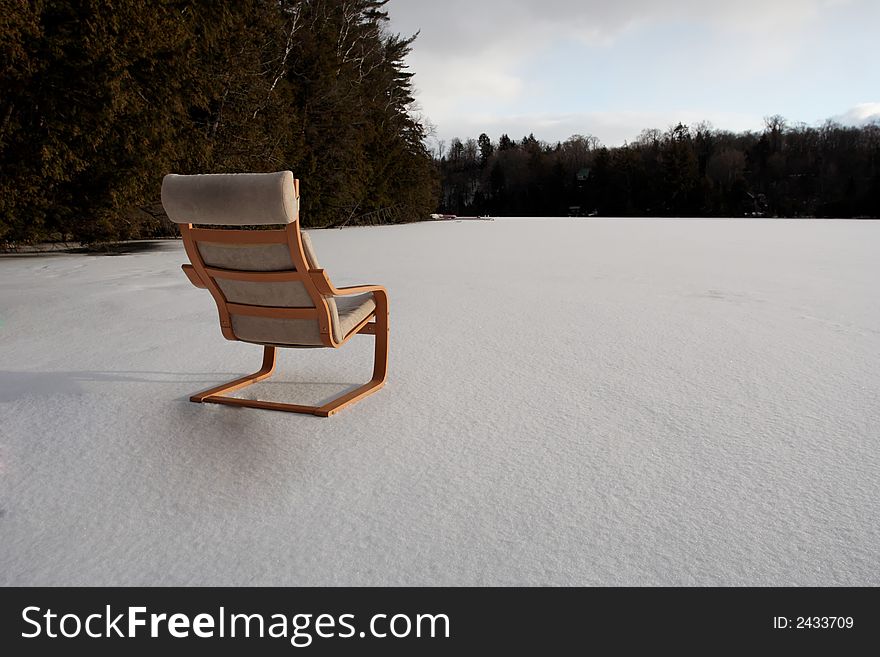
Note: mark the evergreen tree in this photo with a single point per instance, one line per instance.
(831, 171)
(100, 99)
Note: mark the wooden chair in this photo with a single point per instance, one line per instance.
(268, 285)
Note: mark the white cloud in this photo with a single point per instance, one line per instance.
(611, 128)
(449, 82)
(861, 114)
(453, 25)
(472, 57)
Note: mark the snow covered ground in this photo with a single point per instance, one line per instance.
(570, 401)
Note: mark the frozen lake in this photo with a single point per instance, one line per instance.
(570, 402)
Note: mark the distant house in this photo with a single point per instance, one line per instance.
(583, 174)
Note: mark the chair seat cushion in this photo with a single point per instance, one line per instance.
(352, 311)
(345, 315)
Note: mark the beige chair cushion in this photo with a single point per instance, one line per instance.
(309, 250)
(230, 199)
(312, 260)
(352, 310)
(256, 257)
(247, 257)
(286, 294)
(279, 332)
(345, 312)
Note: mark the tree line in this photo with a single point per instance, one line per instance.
(101, 98)
(791, 171)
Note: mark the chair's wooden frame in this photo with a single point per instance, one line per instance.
(318, 286)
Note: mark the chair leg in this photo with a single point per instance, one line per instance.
(380, 371)
(380, 365)
(263, 373)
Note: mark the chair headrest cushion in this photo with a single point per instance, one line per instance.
(230, 199)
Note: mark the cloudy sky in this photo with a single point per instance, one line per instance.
(613, 67)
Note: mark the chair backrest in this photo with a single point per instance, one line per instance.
(260, 279)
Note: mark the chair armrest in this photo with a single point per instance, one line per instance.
(193, 276)
(320, 279)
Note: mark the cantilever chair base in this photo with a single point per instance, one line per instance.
(215, 396)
